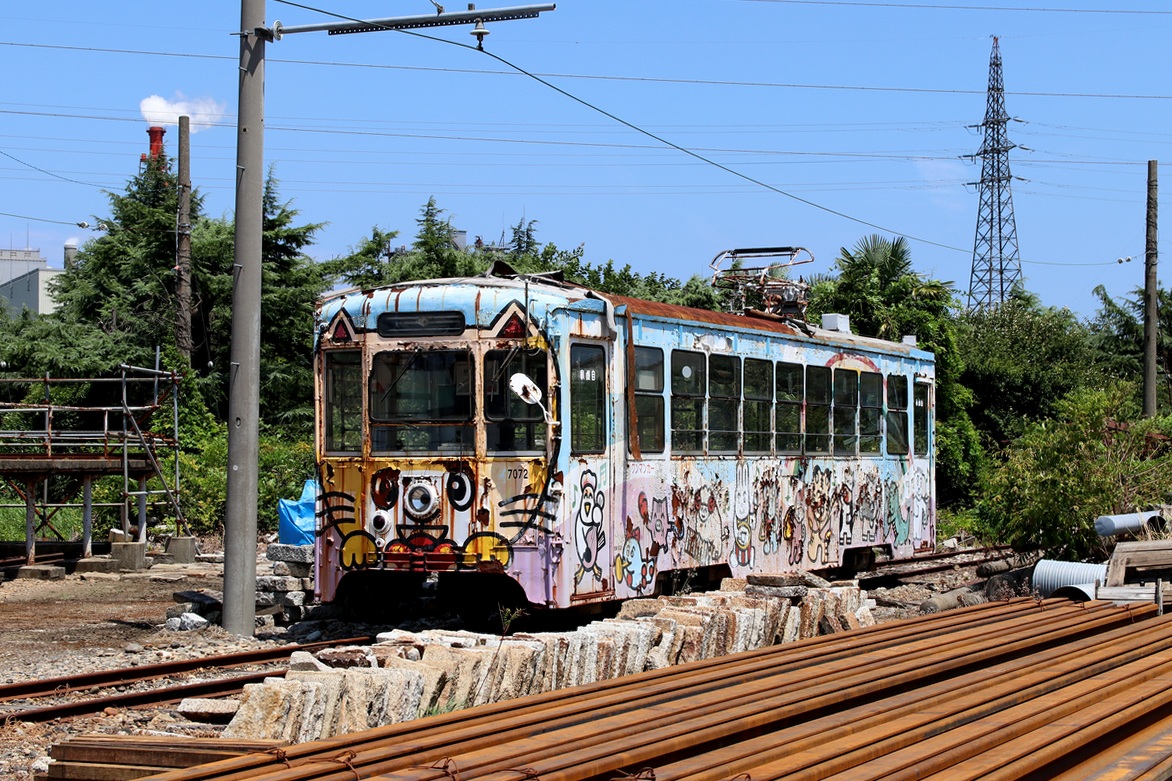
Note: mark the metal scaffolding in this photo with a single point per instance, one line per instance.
(44, 435)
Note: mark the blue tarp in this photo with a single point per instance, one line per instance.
(295, 516)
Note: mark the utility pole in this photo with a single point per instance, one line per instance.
(244, 371)
(244, 366)
(183, 246)
(1151, 306)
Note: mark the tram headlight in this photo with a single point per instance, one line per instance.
(420, 501)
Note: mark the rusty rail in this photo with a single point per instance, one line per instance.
(107, 679)
(985, 690)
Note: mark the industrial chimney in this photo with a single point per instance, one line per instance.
(156, 135)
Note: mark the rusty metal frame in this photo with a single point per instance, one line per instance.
(122, 445)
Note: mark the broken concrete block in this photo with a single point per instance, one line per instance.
(302, 554)
(211, 710)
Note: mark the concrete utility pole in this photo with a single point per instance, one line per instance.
(183, 245)
(244, 371)
(1151, 307)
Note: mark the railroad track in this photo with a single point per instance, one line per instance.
(86, 693)
(1025, 689)
(887, 573)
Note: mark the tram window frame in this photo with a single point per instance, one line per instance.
(342, 392)
(511, 425)
(649, 405)
(922, 399)
(845, 412)
(413, 420)
(897, 415)
(818, 409)
(870, 413)
(757, 414)
(588, 399)
(791, 394)
(724, 403)
(689, 387)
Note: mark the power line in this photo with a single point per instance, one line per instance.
(647, 133)
(48, 173)
(938, 7)
(41, 219)
(537, 74)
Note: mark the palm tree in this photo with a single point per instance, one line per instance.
(877, 287)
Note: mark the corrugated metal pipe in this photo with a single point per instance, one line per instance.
(1112, 525)
(1050, 575)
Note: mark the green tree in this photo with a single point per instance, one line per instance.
(369, 263)
(1095, 457)
(1020, 360)
(123, 283)
(1117, 338)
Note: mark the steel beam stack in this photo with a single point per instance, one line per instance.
(1023, 689)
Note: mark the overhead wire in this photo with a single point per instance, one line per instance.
(938, 7)
(591, 77)
(643, 131)
(541, 78)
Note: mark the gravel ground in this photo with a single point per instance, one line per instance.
(91, 622)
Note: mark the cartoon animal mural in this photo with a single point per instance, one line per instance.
(869, 505)
(742, 516)
(920, 514)
(589, 532)
(653, 511)
(820, 497)
(842, 508)
(699, 521)
(634, 564)
(337, 514)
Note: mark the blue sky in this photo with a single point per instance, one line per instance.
(857, 115)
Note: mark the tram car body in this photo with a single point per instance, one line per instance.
(528, 440)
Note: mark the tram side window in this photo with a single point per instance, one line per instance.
(588, 398)
(921, 419)
(790, 392)
(846, 411)
(818, 409)
(649, 399)
(512, 425)
(421, 401)
(688, 386)
(897, 415)
(870, 411)
(758, 405)
(342, 382)
(724, 397)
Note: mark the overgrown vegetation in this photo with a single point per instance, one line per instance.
(1038, 423)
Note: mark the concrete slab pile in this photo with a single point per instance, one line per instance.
(444, 670)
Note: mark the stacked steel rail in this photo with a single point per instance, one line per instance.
(1027, 688)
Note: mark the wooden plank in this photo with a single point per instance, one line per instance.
(125, 757)
(1145, 555)
(95, 771)
(1132, 593)
(181, 749)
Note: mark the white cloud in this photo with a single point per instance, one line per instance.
(203, 112)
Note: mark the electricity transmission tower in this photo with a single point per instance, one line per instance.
(996, 262)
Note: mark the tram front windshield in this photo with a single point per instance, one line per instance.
(422, 401)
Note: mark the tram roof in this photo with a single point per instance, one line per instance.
(554, 293)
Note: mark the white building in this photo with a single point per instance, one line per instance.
(24, 280)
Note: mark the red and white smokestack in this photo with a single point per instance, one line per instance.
(156, 135)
